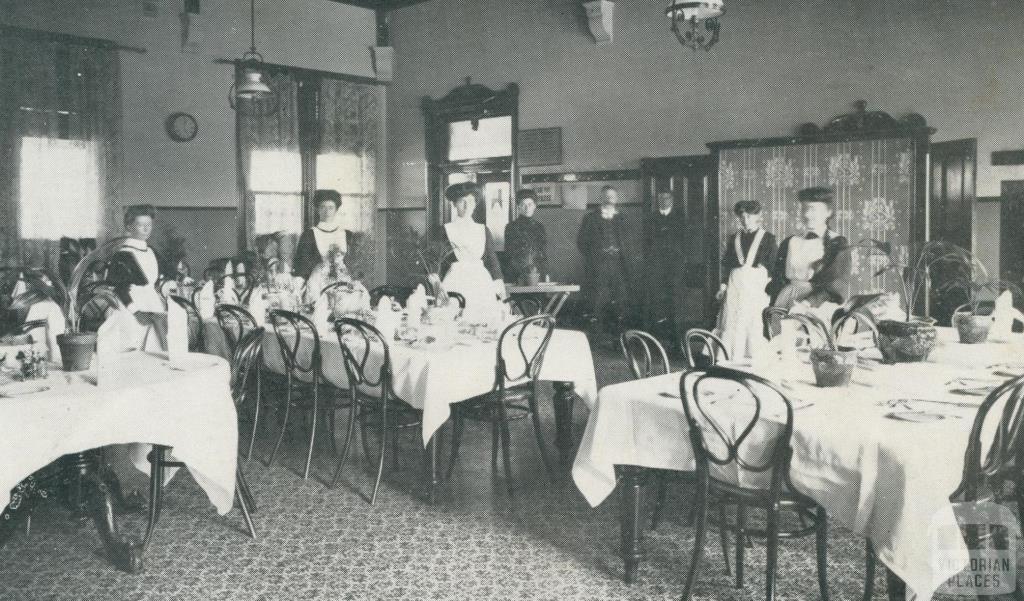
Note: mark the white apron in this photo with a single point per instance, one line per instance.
(739, 323)
(467, 275)
(145, 297)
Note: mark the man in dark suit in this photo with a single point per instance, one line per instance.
(812, 267)
(664, 258)
(600, 242)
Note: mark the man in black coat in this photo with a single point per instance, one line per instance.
(664, 260)
(604, 260)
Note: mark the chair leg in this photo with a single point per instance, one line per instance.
(741, 525)
(869, 570)
(255, 413)
(241, 489)
(458, 424)
(698, 540)
(506, 447)
(353, 410)
(284, 422)
(535, 415)
(772, 554)
(156, 487)
(312, 427)
(659, 500)
(723, 533)
(495, 435)
(821, 543)
(383, 448)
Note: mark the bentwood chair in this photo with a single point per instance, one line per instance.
(710, 347)
(514, 394)
(396, 292)
(746, 442)
(305, 387)
(458, 298)
(367, 357)
(235, 322)
(998, 477)
(244, 362)
(196, 330)
(644, 354)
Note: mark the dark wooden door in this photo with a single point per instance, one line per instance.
(1011, 242)
(692, 180)
(951, 210)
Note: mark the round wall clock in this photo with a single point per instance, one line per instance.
(181, 127)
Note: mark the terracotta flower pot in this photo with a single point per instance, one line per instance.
(76, 350)
(973, 329)
(833, 368)
(906, 341)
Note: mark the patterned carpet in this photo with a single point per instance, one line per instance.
(476, 543)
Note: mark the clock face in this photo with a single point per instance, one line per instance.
(181, 127)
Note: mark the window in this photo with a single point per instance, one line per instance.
(344, 172)
(276, 180)
(59, 189)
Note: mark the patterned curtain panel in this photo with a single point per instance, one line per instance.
(874, 183)
(60, 112)
(270, 165)
(351, 126)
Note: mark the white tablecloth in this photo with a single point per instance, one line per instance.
(886, 479)
(430, 378)
(189, 409)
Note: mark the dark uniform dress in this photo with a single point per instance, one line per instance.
(525, 238)
(604, 260)
(664, 251)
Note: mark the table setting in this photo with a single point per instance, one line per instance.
(867, 451)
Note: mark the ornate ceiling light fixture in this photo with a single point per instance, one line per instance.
(687, 17)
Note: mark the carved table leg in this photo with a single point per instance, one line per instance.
(432, 467)
(633, 480)
(564, 398)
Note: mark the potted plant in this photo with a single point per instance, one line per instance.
(971, 279)
(832, 364)
(76, 346)
(912, 338)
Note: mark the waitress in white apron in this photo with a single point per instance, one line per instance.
(745, 266)
(134, 269)
(475, 274)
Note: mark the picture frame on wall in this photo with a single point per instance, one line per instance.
(548, 194)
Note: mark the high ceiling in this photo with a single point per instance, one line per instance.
(386, 5)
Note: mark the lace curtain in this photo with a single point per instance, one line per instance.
(60, 111)
(270, 165)
(874, 183)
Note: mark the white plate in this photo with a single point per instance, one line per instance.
(16, 389)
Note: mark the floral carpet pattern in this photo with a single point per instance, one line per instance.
(476, 543)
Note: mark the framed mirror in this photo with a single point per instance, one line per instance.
(471, 135)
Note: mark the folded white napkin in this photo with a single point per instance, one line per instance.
(55, 325)
(258, 305)
(207, 301)
(1003, 317)
(416, 304)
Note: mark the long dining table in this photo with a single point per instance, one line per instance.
(432, 377)
(882, 456)
(69, 416)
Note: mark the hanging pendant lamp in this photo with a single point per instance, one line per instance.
(249, 86)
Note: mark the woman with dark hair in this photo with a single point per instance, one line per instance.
(135, 269)
(745, 264)
(475, 273)
(318, 242)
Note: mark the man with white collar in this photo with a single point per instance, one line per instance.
(812, 267)
(600, 242)
(664, 258)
